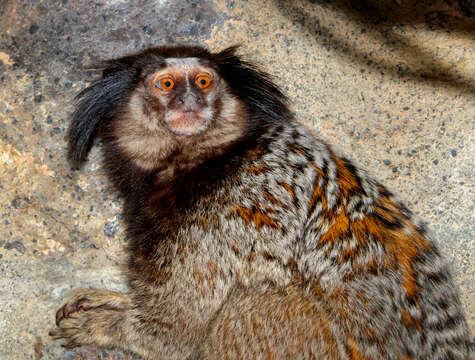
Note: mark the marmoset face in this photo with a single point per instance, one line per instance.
(186, 93)
(180, 106)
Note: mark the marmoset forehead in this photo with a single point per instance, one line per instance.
(185, 63)
(188, 66)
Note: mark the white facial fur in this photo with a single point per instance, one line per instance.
(148, 142)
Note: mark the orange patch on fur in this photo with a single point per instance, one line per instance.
(208, 222)
(346, 179)
(409, 321)
(338, 229)
(318, 170)
(257, 152)
(353, 350)
(347, 254)
(387, 225)
(289, 188)
(317, 290)
(272, 199)
(204, 222)
(297, 148)
(258, 169)
(403, 247)
(212, 267)
(293, 265)
(386, 214)
(256, 216)
(318, 195)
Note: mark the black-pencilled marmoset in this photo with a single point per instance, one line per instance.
(249, 237)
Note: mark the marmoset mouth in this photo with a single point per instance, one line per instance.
(187, 122)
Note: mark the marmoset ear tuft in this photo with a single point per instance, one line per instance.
(252, 85)
(100, 100)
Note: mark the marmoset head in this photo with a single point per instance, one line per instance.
(181, 102)
(183, 94)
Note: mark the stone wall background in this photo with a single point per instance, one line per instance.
(389, 83)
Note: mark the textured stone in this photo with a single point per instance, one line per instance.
(391, 86)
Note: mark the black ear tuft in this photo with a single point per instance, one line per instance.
(252, 85)
(100, 100)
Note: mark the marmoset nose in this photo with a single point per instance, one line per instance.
(190, 101)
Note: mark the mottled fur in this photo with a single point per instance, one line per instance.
(252, 239)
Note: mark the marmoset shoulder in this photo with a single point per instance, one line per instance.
(249, 237)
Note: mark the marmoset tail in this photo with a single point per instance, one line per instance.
(249, 238)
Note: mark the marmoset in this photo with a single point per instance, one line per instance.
(249, 237)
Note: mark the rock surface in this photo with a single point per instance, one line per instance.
(389, 83)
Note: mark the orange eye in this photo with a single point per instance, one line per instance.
(165, 84)
(203, 81)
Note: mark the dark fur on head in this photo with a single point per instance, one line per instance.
(106, 97)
